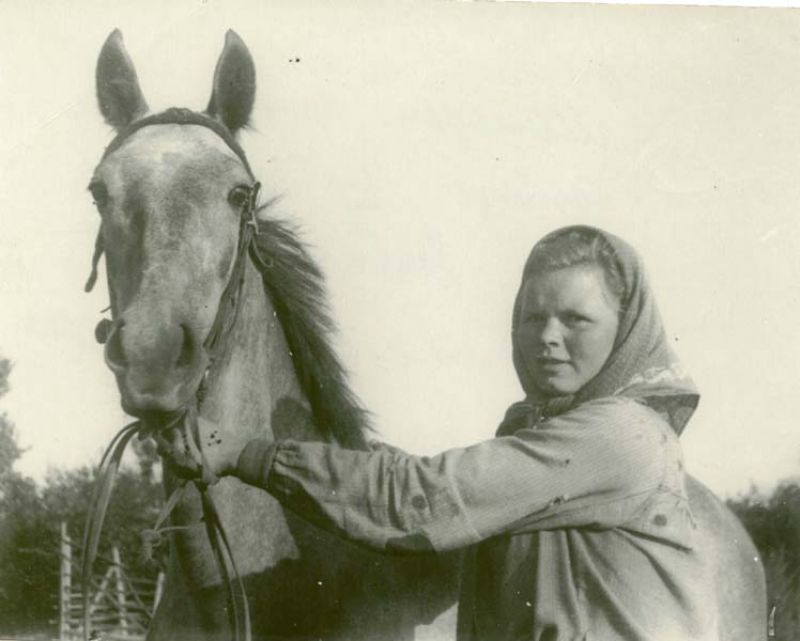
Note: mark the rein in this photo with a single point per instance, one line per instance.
(186, 420)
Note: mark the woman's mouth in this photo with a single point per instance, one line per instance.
(550, 362)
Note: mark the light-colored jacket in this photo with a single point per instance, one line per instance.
(578, 527)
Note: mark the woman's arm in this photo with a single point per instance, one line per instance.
(572, 470)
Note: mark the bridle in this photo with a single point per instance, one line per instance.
(190, 472)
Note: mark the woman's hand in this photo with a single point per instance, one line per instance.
(220, 449)
(219, 455)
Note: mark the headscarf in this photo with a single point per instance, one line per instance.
(641, 365)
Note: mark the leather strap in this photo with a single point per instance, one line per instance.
(181, 116)
(109, 465)
(228, 308)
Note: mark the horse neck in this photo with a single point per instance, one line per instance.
(253, 390)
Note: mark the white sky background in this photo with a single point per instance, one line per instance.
(423, 149)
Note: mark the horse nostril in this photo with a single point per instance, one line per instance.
(186, 355)
(115, 354)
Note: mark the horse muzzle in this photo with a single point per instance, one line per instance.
(158, 367)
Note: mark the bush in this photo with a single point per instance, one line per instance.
(30, 520)
(774, 524)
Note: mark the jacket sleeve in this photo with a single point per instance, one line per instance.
(592, 466)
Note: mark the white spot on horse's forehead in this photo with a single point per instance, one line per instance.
(162, 145)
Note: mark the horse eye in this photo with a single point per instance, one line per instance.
(239, 195)
(99, 194)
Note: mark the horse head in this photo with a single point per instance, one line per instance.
(170, 199)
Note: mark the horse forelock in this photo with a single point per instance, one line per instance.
(295, 285)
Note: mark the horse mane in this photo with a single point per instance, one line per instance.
(295, 285)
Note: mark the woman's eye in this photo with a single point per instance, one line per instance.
(575, 319)
(99, 194)
(239, 196)
(534, 319)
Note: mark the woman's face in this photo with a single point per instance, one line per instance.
(568, 325)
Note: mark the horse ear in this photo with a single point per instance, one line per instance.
(118, 93)
(234, 87)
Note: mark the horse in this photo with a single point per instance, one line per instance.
(197, 323)
(169, 194)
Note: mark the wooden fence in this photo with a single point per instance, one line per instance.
(121, 605)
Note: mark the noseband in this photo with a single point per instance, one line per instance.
(186, 419)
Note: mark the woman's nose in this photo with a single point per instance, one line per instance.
(551, 333)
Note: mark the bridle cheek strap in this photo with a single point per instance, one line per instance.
(228, 308)
(98, 252)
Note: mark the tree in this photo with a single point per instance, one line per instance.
(20, 514)
(30, 518)
(9, 449)
(134, 506)
(774, 524)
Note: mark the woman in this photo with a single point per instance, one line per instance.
(576, 512)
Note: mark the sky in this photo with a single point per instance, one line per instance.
(422, 149)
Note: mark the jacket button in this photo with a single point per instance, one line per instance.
(419, 502)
